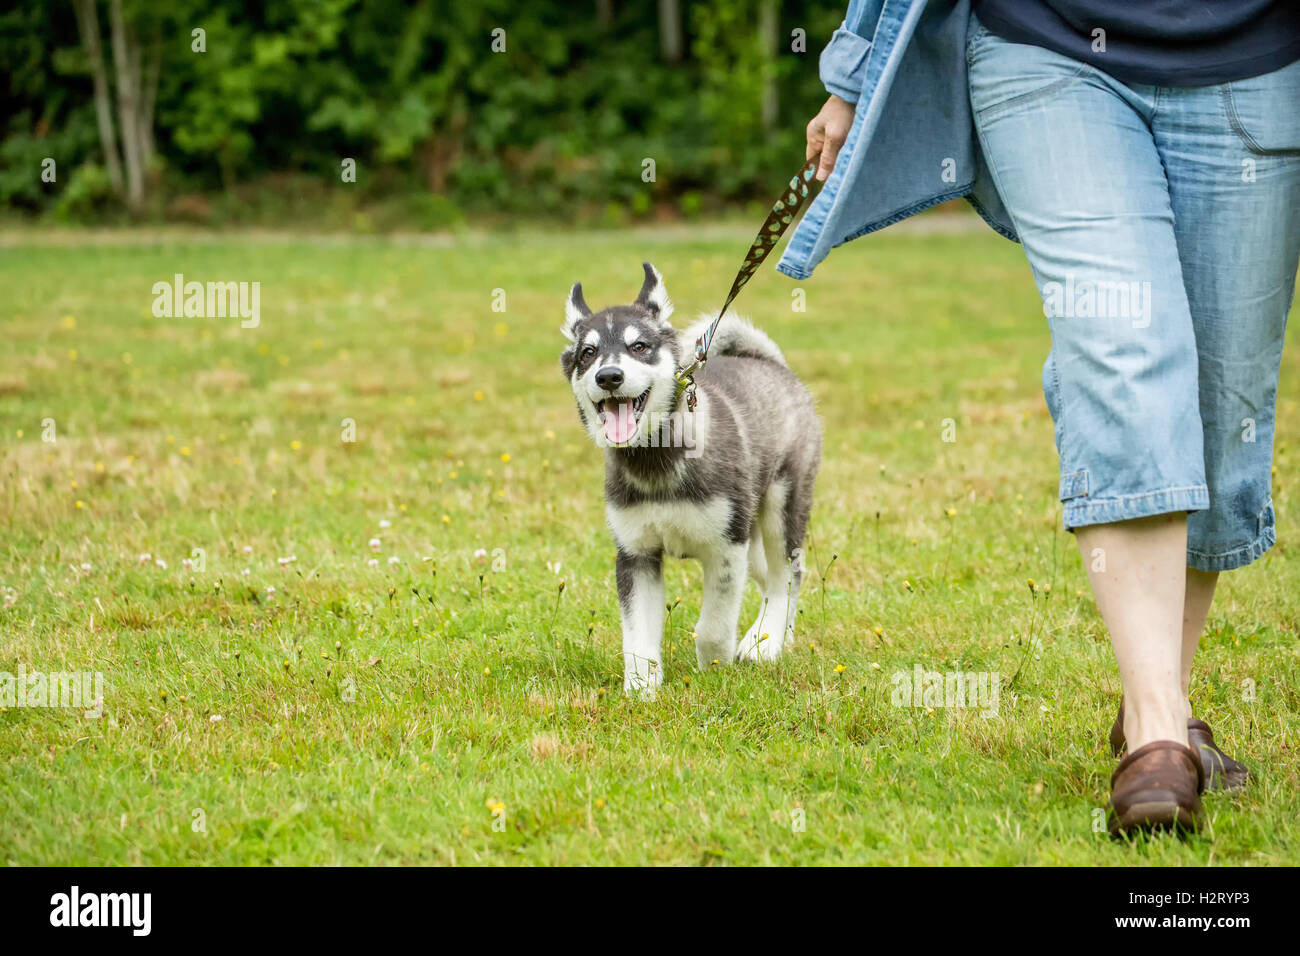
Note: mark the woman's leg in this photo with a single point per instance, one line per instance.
(1232, 159)
(1072, 153)
(1140, 594)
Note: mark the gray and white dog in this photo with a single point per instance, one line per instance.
(729, 483)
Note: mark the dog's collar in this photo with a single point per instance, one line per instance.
(774, 227)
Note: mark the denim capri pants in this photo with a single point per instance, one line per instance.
(1163, 229)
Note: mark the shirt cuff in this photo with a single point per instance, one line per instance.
(843, 62)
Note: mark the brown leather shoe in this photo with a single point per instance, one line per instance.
(1221, 771)
(1156, 787)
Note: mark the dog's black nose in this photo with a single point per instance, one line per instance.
(609, 378)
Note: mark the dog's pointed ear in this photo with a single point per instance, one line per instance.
(574, 310)
(654, 296)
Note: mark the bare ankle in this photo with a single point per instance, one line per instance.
(1155, 718)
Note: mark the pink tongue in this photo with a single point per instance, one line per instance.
(620, 424)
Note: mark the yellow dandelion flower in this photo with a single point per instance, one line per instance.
(185, 450)
(72, 355)
(840, 668)
(505, 457)
(478, 396)
(80, 505)
(69, 322)
(446, 519)
(295, 444)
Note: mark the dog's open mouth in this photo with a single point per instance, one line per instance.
(621, 415)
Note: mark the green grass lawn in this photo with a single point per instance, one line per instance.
(480, 645)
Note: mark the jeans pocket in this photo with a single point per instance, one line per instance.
(1265, 111)
(1003, 74)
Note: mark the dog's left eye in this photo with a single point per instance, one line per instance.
(588, 352)
(639, 346)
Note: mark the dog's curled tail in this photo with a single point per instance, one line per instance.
(735, 336)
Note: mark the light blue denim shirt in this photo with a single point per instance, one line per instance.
(912, 144)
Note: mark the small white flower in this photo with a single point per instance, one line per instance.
(375, 545)
(248, 549)
(187, 564)
(245, 572)
(270, 591)
(146, 558)
(216, 718)
(161, 563)
(287, 561)
(385, 523)
(85, 566)
(480, 554)
(373, 562)
(394, 560)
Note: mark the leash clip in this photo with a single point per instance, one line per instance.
(686, 383)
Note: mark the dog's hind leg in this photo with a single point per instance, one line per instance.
(641, 600)
(724, 586)
(774, 626)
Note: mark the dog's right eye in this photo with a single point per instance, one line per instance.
(588, 351)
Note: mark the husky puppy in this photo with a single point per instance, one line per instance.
(729, 483)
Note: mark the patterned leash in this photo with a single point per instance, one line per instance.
(774, 227)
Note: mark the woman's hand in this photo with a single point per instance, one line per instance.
(826, 133)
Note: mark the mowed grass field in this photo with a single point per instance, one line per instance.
(453, 694)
